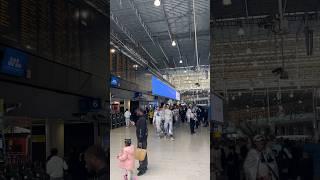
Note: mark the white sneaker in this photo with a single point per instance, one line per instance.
(172, 139)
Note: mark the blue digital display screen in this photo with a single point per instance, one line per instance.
(14, 62)
(115, 81)
(159, 88)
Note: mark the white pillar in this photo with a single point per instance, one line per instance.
(55, 136)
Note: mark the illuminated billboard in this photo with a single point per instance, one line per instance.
(160, 88)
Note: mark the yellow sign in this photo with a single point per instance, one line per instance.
(38, 138)
(1, 105)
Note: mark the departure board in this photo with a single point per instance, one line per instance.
(44, 29)
(60, 31)
(29, 24)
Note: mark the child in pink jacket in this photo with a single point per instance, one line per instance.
(127, 159)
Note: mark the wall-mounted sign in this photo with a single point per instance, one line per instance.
(160, 88)
(115, 81)
(90, 104)
(13, 62)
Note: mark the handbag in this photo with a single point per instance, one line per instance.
(140, 154)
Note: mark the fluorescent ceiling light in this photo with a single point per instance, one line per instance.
(226, 2)
(174, 43)
(157, 3)
(240, 31)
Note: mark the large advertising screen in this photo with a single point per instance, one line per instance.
(160, 88)
(216, 108)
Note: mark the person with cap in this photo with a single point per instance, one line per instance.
(142, 136)
(127, 159)
(168, 122)
(260, 163)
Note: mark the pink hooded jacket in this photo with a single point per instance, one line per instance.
(126, 158)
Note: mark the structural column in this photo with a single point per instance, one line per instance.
(55, 136)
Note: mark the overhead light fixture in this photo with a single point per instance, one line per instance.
(157, 3)
(173, 43)
(241, 31)
(291, 95)
(135, 66)
(112, 50)
(226, 2)
(180, 61)
(185, 71)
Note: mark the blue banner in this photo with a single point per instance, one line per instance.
(14, 62)
(159, 88)
(115, 82)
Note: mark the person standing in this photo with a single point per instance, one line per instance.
(168, 122)
(192, 121)
(126, 158)
(56, 166)
(142, 137)
(96, 162)
(127, 115)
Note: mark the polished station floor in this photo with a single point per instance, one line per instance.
(185, 158)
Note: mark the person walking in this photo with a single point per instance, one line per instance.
(142, 137)
(192, 121)
(157, 121)
(56, 166)
(260, 162)
(150, 115)
(168, 122)
(127, 115)
(96, 162)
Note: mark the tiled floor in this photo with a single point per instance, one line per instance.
(186, 158)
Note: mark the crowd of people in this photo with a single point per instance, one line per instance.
(262, 158)
(164, 119)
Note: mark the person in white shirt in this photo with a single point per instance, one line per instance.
(191, 118)
(56, 165)
(168, 122)
(157, 118)
(260, 162)
(127, 116)
(188, 114)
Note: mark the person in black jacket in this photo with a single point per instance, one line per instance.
(142, 136)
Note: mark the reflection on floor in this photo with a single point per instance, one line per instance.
(186, 158)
